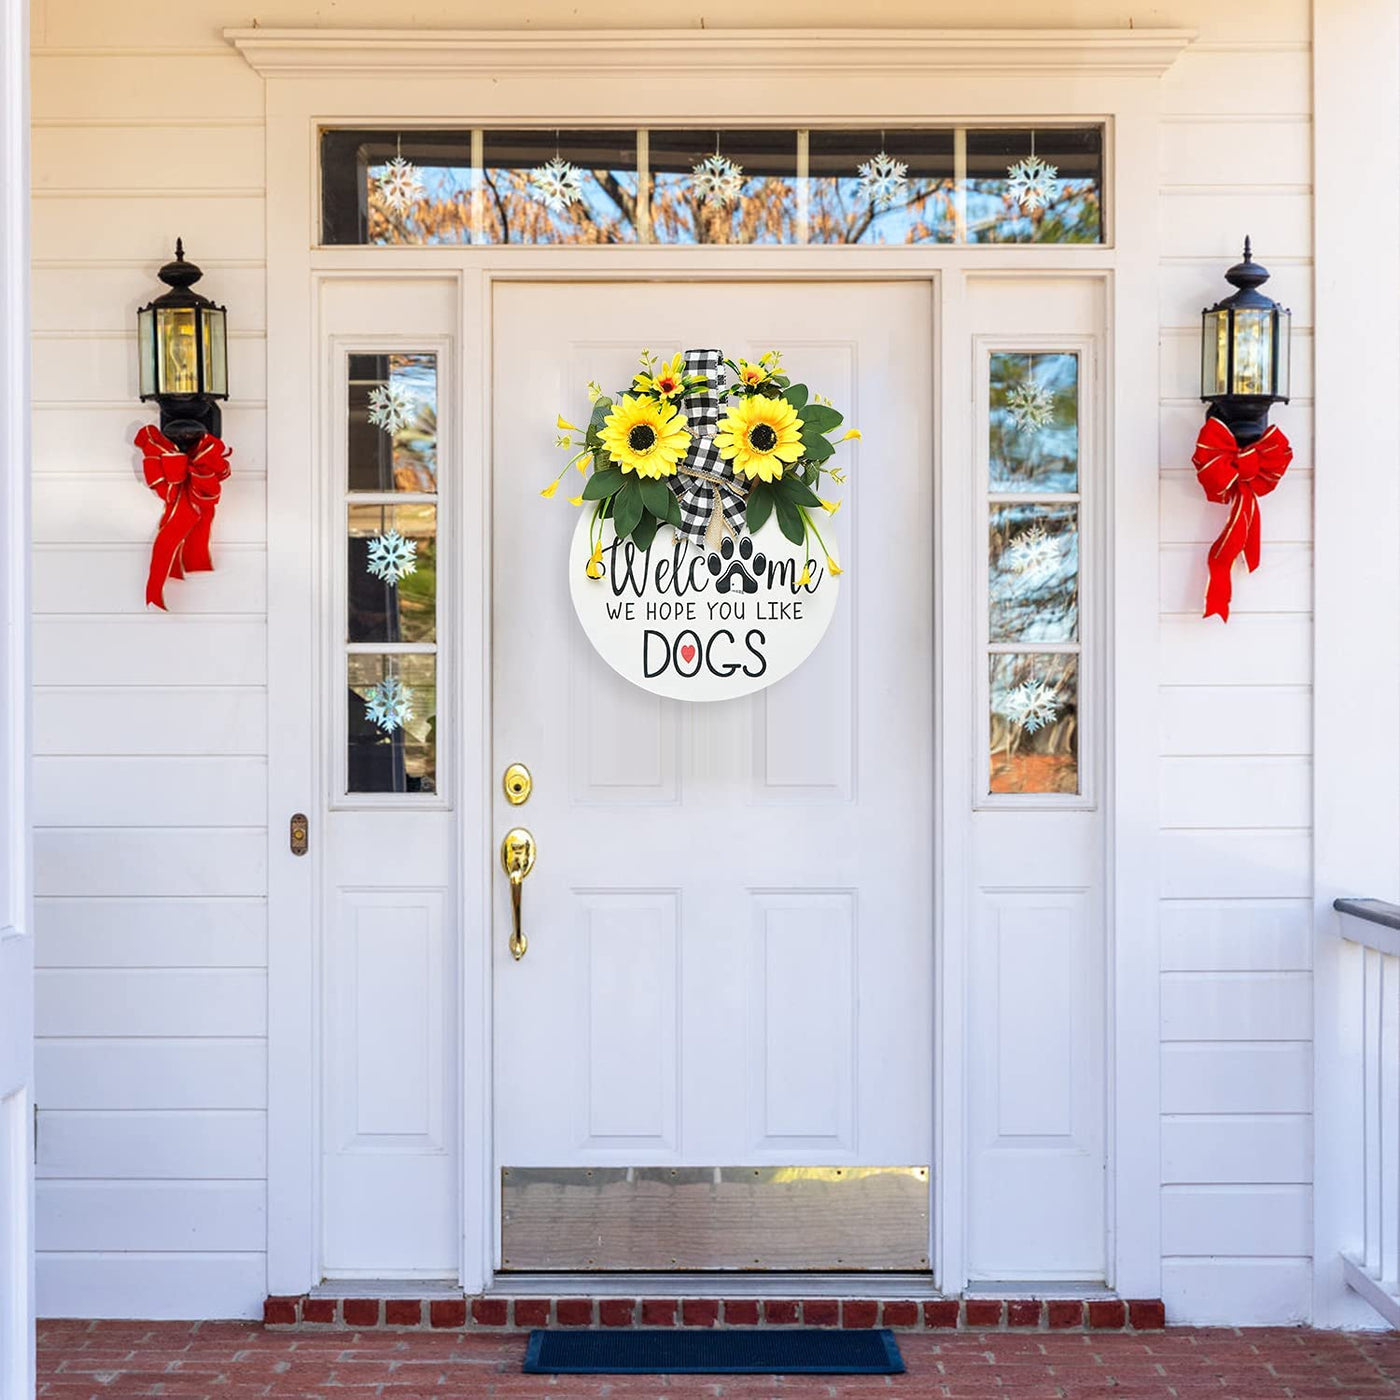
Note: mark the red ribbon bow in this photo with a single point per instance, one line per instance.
(189, 484)
(1236, 477)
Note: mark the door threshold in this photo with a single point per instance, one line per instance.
(714, 1285)
(386, 1288)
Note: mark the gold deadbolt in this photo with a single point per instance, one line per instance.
(518, 784)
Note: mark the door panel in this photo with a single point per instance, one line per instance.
(730, 916)
(386, 837)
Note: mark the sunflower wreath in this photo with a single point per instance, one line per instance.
(708, 446)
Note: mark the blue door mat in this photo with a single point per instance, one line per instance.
(670, 1351)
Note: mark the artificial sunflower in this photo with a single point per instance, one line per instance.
(665, 381)
(645, 436)
(760, 436)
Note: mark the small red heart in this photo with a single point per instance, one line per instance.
(687, 654)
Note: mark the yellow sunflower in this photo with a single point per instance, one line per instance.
(666, 381)
(761, 436)
(645, 436)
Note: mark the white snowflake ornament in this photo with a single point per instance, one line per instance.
(1033, 183)
(400, 184)
(1032, 705)
(391, 407)
(1034, 555)
(389, 704)
(391, 557)
(1031, 406)
(882, 179)
(718, 180)
(556, 184)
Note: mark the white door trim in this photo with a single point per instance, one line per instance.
(17, 1303)
(319, 79)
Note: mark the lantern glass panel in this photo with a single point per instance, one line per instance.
(1215, 353)
(1285, 333)
(146, 351)
(177, 363)
(215, 351)
(1254, 352)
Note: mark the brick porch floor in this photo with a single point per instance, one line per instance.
(242, 1360)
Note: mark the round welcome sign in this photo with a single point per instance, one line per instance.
(698, 569)
(697, 623)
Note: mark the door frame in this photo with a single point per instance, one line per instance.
(401, 78)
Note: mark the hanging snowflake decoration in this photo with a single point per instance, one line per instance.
(1034, 555)
(1032, 705)
(556, 184)
(882, 179)
(389, 704)
(718, 180)
(391, 557)
(1033, 183)
(400, 184)
(391, 407)
(1031, 406)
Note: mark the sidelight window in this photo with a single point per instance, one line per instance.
(1033, 621)
(390, 559)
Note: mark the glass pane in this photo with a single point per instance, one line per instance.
(215, 351)
(1044, 186)
(1035, 724)
(577, 187)
(1033, 573)
(1254, 352)
(746, 191)
(392, 723)
(1215, 351)
(856, 197)
(146, 350)
(392, 583)
(178, 361)
(393, 423)
(1034, 422)
(367, 196)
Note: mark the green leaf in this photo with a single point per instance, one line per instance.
(816, 448)
(654, 496)
(644, 532)
(627, 509)
(796, 491)
(790, 520)
(673, 509)
(797, 395)
(818, 418)
(760, 506)
(603, 484)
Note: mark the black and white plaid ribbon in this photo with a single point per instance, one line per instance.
(704, 481)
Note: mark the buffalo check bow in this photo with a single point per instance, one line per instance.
(704, 482)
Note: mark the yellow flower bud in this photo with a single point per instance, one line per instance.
(806, 576)
(594, 567)
(830, 507)
(832, 566)
(550, 489)
(854, 433)
(562, 422)
(575, 500)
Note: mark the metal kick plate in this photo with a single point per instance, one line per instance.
(647, 1219)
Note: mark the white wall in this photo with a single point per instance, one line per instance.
(150, 730)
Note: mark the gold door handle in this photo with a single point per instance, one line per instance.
(517, 860)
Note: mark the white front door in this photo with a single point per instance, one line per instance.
(730, 916)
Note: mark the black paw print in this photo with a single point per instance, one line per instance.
(725, 578)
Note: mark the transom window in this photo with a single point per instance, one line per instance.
(896, 187)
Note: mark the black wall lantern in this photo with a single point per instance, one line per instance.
(1244, 353)
(183, 351)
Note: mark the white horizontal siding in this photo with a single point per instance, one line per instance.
(1242, 1148)
(151, 1285)
(167, 1072)
(165, 1216)
(117, 721)
(133, 1144)
(176, 1001)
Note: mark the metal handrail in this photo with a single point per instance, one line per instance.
(1375, 923)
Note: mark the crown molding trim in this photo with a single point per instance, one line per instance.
(456, 53)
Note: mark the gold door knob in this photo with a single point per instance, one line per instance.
(517, 860)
